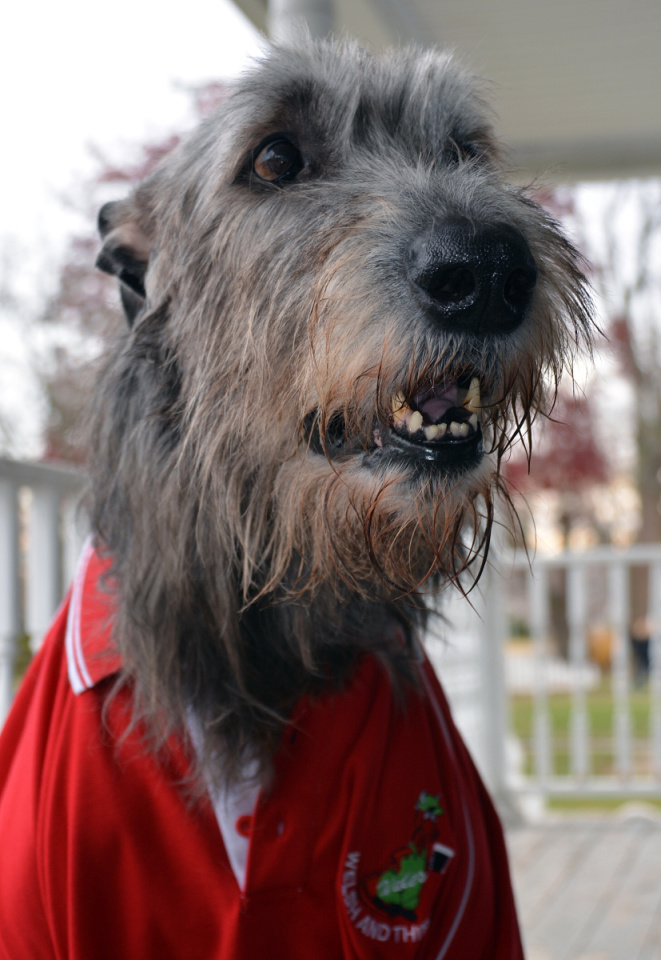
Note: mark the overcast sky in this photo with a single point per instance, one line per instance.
(77, 72)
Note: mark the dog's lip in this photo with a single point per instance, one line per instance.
(437, 452)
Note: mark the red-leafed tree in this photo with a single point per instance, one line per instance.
(569, 456)
(568, 459)
(624, 241)
(618, 226)
(568, 453)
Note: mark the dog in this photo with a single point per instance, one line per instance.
(340, 315)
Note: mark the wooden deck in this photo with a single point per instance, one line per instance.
(589, 890)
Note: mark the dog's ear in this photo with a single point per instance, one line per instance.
(125, 253)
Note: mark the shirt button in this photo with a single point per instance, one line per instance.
(243, 826)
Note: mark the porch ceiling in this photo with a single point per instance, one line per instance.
(576, 86)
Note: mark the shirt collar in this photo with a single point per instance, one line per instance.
(91, 652)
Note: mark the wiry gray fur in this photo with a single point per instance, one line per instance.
(251, 568)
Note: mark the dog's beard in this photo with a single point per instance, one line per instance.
(383, 531)
(401, 481)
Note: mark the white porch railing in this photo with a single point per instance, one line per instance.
(613, 738)
(583, 722)
(40, 538)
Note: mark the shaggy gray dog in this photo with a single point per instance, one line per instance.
(340, 317)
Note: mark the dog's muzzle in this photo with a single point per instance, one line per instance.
(473, 279)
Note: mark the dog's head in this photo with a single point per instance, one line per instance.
(340, 314)
(352, 312)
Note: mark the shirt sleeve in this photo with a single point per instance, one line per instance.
(24, 927)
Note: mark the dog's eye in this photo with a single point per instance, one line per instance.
(462, 151)
(459, 152)
(278, 161)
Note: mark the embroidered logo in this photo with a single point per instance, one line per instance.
(394, 892)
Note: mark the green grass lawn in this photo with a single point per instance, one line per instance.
(597, 804)
(601, 714)
(22, 659)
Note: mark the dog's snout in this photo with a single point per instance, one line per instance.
(473, 279)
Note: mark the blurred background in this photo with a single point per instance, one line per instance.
(554, 671)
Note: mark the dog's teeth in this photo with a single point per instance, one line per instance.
(442, 429)
(457, 429)
(472, 401)
(400, 413)
(415, 422)
(432, 431)
(399, 417)
(473, 420)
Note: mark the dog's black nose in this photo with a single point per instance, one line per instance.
(471, 278)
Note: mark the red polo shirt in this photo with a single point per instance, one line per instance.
(376, 840)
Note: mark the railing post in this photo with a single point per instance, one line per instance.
(32, 553)
(655, 666)
(492, 681)
(44, 563)
(576, 617)
(539, 620)
(619, 598)
(286, 17)
(9, 591)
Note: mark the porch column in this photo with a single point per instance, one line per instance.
(285, 17)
